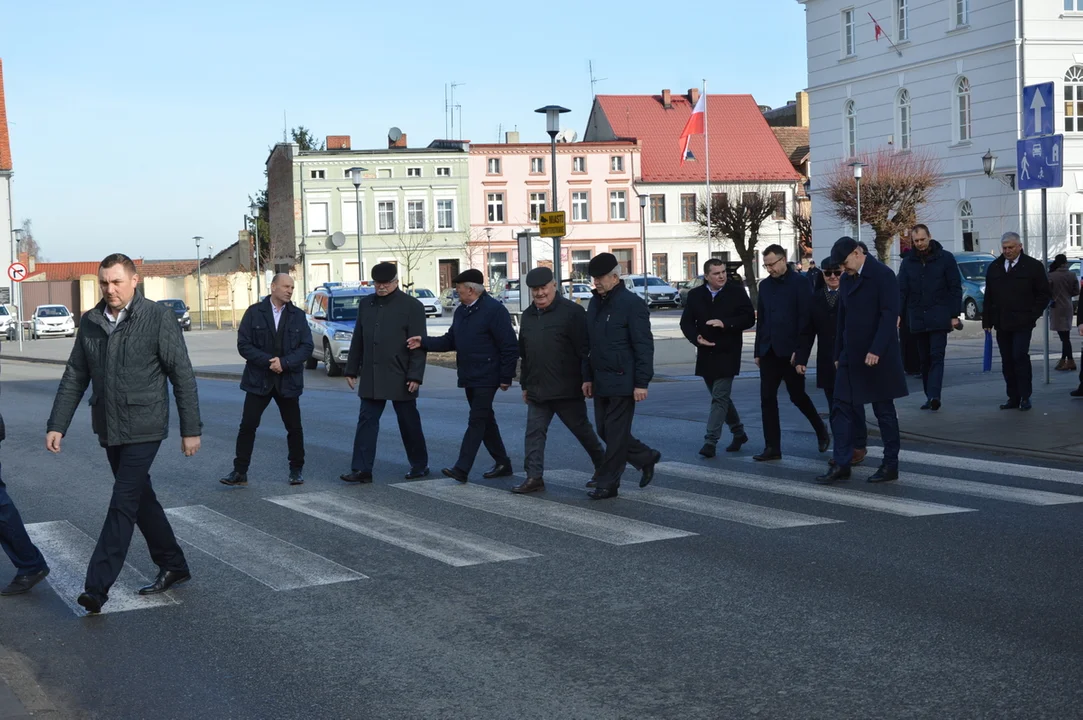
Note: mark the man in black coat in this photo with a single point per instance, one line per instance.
(620, 368)
(1016, 295)
(553, 345)
(930, 297)
(275, 341)
(486, 354)
(382, 368)
(715, 316)
(783, 346)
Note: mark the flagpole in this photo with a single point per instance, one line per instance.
(707, 161)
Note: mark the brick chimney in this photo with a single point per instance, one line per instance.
(693, 96)
(802, 109)
(400, 143)
(5, 143)
(666, 102)
(338, 142)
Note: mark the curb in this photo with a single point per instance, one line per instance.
(205, 374)
(874, 431)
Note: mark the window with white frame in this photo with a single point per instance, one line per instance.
(849, 113)
(1075, 230)
(966, 219)
(493, 167)
(1073, 5)
(580, 264)
(349, 217)
(537, 165)
(498, 265)
(849, 37)
(445, 214)
(579, 164)
(1073, 97)
(902, 20)
(902, 119)
(495, 207)
(413, 172)
(962, 110)
(962, 13)
(580, 206)
(385, 211)
(443, 172)
(618, 205)
(616, 163)
(537, 205)
(317, 174)
(415, 215)
(317, 217)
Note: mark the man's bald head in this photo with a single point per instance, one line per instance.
(281, 288)
(279, 277)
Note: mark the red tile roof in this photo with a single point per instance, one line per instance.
(166, 268)
(743, 148)
(5, 141)
(66, 270)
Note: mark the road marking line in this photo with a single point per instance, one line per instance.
(715, 507)
(593, 524)
(67, 549)
(822, 493)
(449, 545)
(1070, 477)
(278, 564)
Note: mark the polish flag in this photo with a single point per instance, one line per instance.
(694, 126)
(879, 30)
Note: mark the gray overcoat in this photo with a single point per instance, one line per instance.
(378, 357)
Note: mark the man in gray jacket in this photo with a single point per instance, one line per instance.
(382, 368)
(553, 344)
(128, 350)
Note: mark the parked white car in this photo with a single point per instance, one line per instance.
(579, 292)
(428, 298)
(659, 292)
(52, 321)
(7, 323)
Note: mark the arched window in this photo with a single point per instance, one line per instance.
(962, 110)
(902, 119)
(1073, 99)
(966, 221)
(850, 126)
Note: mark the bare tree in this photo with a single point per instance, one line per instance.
(802, 223)
(410, 248)
(893, 187)
(739, 219)
(28, 244)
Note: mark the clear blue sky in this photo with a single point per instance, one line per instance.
(136, 125)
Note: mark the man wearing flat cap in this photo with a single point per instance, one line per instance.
(869, 361)
(553, 344)
(382, 368)
(486, 350)
(620, 368)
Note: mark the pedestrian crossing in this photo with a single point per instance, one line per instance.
(274, 556)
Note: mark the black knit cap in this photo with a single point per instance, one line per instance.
(384, 272)
(602, 264)
(538, 277)
(469, 276)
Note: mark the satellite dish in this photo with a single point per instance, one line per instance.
(567, 136)
(338, 239)
(394, 134)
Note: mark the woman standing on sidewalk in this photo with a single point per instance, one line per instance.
(1063, 285)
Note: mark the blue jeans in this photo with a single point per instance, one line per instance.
(368, 431)
(848, 425)
(932, 346)
(18, 546)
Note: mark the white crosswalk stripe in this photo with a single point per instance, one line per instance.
(593, 524)
(821, 493)
(1033, 472)
(989, 491)
(449, 545)
(715, 507)
(67, 549)
(278, 564)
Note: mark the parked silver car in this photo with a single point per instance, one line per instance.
(659, 292)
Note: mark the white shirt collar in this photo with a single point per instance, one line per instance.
(120, 315)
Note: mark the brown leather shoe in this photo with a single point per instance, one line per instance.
(858, 456)
(529, 485)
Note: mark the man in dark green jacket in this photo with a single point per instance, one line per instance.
(128, 350)
(553, 345)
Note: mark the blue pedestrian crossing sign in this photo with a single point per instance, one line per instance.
(1038, 110)
(1040, 163)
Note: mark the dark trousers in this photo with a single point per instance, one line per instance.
(133, 503)
(22, 552)
(773, 372)
(368, 432)
(829, 393)
(1015, 360)
(1065, 345)
(289, 409)
(613, 416)
(573, 413)
(851, 431)
(932, 346)
(723, 411)
(481, 428)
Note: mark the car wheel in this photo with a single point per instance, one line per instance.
(333, 368)
(970, 309)
(187, 328)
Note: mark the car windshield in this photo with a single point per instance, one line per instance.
(52, 312)
(175, 305)
(974, 271)
(651, 281)
(344, 309)
(423, 293)
(3, 311)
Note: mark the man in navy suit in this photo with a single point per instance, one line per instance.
(869, 360)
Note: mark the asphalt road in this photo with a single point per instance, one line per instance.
(724, 590)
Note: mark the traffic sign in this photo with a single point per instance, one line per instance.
(17, 271)
(1038, 110)
(551, 224)
(1039, 163)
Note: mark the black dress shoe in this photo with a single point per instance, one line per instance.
(1010, 405)
(769, 453)
(415, 474)
(824, 440)
(356, 476)
(92, 604)
(738, 441)
(454, 473)
(1078, 392)
(22, 583)
(296, 477)
(498, 470)
(926, 406)
(529, 485)
(602, 493)
(707, 450)
(833, 475)
(235, 479)
(648, 469)
(934, 404)
(884, 474)
(1024, 404)
(165, 580)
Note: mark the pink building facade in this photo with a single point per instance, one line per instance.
(510, 184)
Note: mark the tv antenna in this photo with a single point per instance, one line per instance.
(449, 109)
(593, 80)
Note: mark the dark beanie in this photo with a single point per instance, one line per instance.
(538, 277)
(384, 272)
(602, 264)
(469, 276)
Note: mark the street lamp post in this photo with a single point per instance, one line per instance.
(489, 261)
(552, 126)
(355, 176)
(16, 239)
(643, 240)
(254, 209)
(857, 165)
(199, 279)
(304, 270)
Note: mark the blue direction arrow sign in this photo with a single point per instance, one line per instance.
(1040, 163)
(1038, 110)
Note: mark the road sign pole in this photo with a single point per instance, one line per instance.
(1045, 264)
(556, 240)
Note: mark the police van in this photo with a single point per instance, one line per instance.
(331, 310)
